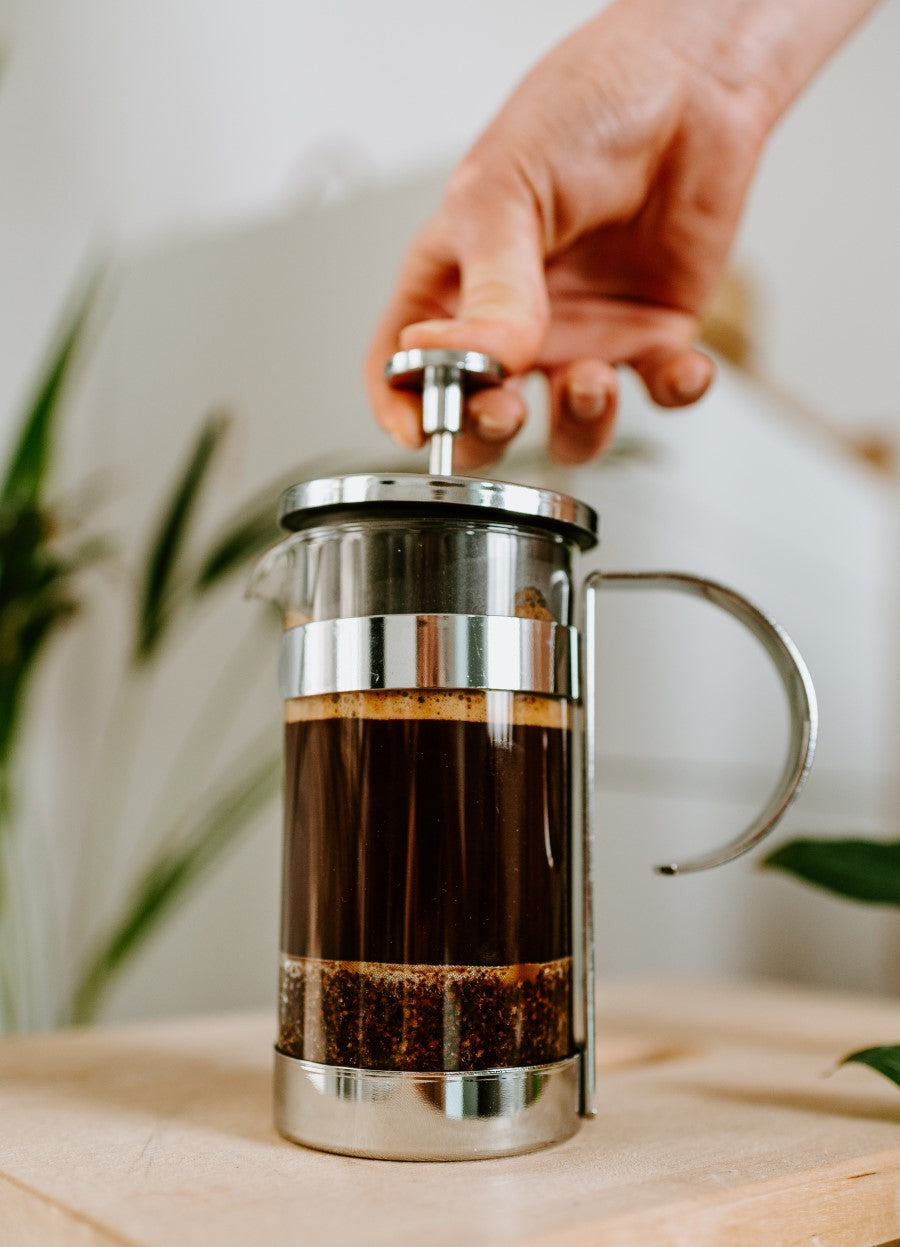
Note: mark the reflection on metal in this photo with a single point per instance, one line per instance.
(430, 1116)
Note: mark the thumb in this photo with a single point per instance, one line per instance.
(503, 306)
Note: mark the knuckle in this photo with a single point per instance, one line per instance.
(482, 175)
(464, 188)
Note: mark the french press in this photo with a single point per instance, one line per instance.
(438, 674)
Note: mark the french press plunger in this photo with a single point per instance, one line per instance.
(438, 674)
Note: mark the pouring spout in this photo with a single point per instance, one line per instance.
(270, 577)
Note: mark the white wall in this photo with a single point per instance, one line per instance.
(130, 121)
(146, 122)
(821, 231)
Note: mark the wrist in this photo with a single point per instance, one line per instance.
(762, 52)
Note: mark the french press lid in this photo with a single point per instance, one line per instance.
(443, 378)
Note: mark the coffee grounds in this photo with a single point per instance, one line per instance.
(530, 603)
(420, 1017)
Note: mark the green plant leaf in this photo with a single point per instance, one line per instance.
(35, 591)
(30, 457)
(885, 1060)
(159, 591)
(865, 870)
(170, 875)
(37, 595)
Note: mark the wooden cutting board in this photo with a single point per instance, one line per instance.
(722, 1122)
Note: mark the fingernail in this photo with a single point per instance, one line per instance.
(587, 403)
(686, 387)
(406, 434)
(690, 382)
(425, 329)
(493, 429)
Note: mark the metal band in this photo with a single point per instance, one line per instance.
(429, 651)
(438, 1116)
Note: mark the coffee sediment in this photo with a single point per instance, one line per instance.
(426, 880)
(530, 603)
(412, 1017)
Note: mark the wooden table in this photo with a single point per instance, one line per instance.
(719, 1124)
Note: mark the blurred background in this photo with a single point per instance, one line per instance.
(235, 183)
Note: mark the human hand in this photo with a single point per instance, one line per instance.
(588, 225)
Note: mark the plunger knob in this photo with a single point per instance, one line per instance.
(444, 378)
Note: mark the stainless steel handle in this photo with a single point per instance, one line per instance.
(442, 377)
(794, 676)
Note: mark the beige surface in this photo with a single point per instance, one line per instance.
(717, 1126)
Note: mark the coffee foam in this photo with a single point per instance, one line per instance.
(448, 705)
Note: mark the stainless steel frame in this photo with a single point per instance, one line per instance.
(429, 651)
(801, 698)
(584, 938)
(390, 1115)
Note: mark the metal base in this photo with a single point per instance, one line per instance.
(389, 1115)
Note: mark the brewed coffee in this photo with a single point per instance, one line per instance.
(426, 880)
